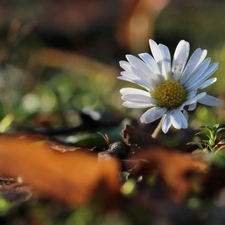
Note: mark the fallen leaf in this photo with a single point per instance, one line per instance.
(174, 167)
(136, 23)
(136, 138)
(51, 142)
(50, 57)
(71, 177)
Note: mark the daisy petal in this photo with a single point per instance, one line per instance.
(180, 58)
(197, 81)
(176, 119)
(135, 105)
(152, 114)
(195, 99)
(135, 79)
(145, 79)
(185, 113)
(156, 52)
(198, 73)
(196, 58)
(126, 91)
(133, 96)
(191, 94)
(192, 106)
(125, 65)
(166, 57)
(125, 79)
(129, 75)
(139, 99)
(210, 101)
(184, 121)
(137, 63)
(208, 83)
(166, 123)
(150, 62)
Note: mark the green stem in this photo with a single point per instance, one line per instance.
(158, 129)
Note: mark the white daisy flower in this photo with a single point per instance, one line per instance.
(168, 85)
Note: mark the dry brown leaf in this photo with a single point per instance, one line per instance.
(136, 138)
(64, 148)
(72, 177)
(75, 62)
(174, 167)
(136, 22)
(54, 144)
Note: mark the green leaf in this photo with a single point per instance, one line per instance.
(221, 129)
(221, 142)
(196, 143)
(200, 133)
(216, 126)
(217, 159)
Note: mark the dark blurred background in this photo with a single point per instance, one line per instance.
(58, 57)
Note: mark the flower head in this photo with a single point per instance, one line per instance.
(169, 87)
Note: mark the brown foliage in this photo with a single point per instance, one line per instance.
(71, 177)
(136, 22)
(174, 168)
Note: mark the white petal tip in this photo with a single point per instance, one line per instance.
(219, 103)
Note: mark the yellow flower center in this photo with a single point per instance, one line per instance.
(169, 94)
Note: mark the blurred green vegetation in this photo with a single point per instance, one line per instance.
(28, 89)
